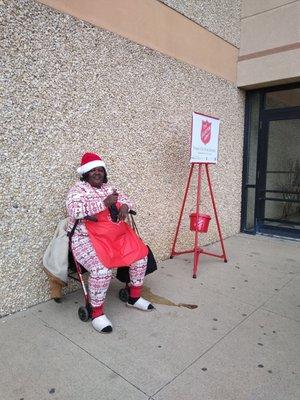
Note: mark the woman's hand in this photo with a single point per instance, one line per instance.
(91, 218)
(111, 199)
(123, 212)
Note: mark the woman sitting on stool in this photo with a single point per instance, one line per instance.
(100, 244)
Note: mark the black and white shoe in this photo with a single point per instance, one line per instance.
(140, 304)
(102, 324)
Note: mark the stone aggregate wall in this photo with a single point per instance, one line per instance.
(222, 17)
(69, 87)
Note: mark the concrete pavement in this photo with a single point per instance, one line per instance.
(241, 342)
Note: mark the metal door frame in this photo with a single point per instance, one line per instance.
(265, 117)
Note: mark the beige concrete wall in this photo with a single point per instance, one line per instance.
(71, 87)
(268, 70)
(152, 24)
(270, 43)
(220, 17)
(252, 7)
(271, 29)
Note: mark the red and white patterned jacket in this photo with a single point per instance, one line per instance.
(84, 199)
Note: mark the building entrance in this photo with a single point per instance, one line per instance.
(271, 184)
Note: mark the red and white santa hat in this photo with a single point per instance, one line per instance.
(88, 162)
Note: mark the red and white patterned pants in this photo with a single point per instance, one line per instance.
(99, 275)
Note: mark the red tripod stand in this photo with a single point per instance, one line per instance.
(197, 250)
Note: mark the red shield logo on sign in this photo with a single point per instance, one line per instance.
(205, 132)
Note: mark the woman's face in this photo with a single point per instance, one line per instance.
(95, 176)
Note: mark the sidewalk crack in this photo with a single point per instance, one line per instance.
(206, 351)
(223, 337)
(91, 355)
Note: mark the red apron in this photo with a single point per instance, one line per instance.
(116, 244)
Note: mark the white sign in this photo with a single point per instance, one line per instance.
(205, 139)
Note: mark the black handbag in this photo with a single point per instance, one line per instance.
(123, 272)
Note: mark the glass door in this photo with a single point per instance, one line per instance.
(278, 176)
(271, 167)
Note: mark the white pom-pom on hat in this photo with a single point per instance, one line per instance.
(88, 162)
